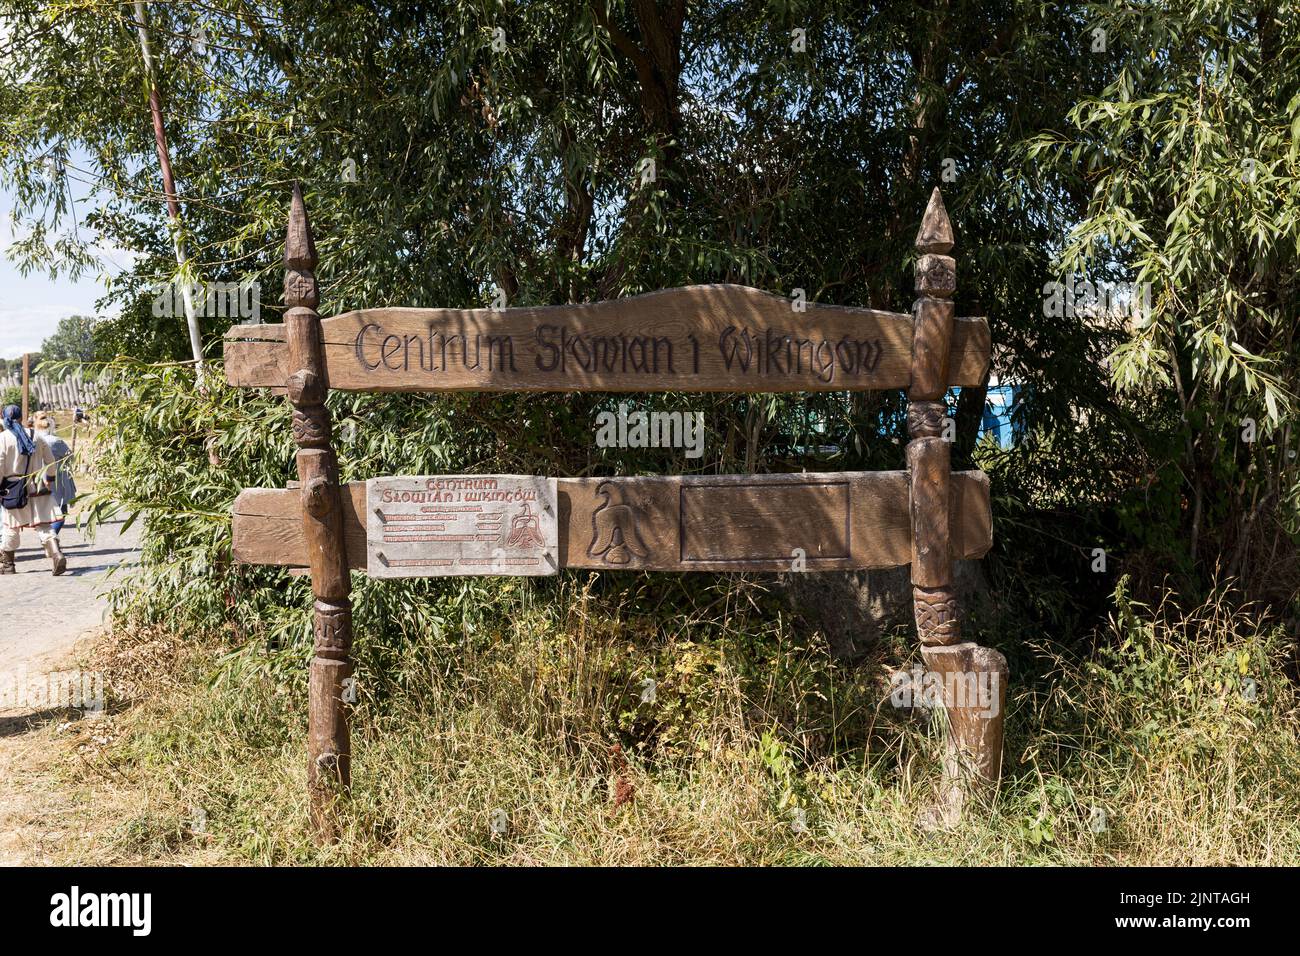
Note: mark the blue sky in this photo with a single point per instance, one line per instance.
(31, 306)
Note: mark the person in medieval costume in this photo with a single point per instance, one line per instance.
(65, 489)
(27, 470)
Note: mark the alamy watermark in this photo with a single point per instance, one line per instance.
(74, 908)
(20, 690)
(973, 690)
(1077, 296)
(640, 429)
(211, 300)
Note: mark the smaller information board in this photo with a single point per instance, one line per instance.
(440, 525)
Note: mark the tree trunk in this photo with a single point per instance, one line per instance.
(169, 188)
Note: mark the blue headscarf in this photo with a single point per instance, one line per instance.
(13, 423)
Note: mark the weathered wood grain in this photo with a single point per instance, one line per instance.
(932, 345)
(695, 339)
(928, 464)
(928, 454)
(329, 751)
(841, 521)
(973, 680)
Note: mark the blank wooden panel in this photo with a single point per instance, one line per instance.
(756, 520)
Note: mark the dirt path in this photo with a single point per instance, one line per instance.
(42, 617)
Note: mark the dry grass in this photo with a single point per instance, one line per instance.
(204, 760)
(67, 802)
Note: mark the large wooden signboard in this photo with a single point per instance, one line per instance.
(440, 525)
(694, 339)
(700, 338)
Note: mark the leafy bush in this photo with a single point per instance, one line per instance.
(1192, 159)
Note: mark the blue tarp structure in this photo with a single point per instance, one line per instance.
(998, 405)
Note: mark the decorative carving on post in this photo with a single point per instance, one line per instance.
(328, 748)
(927, 452)
(973, 756)
(937, 616)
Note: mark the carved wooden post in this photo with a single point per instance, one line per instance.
(328, 749)
(974, 677)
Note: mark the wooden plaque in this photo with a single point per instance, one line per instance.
(839, 521)
(714, 338)
(440, 525)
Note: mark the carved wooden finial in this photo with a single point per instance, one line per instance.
(935, 234)
(299, 247)
(300, 287)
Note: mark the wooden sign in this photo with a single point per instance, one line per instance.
(812, 521)
(441, 525)
(696, 339)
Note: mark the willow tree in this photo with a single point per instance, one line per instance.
(458, 153)
(1192, 157)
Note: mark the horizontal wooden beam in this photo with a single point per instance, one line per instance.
(840, 521)
(710, 338)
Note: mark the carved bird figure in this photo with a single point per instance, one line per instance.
(615, 535)
(524, 531)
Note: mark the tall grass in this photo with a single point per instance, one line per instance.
(1174, 743)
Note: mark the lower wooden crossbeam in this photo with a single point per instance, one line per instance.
(808, 521)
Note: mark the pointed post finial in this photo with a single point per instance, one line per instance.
(935, 234)
(300, 287)
(299, 247)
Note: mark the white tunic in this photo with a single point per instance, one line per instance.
(39, 510)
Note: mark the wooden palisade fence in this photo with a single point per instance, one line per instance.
(700, 338)
(70, 392)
